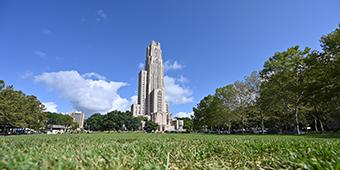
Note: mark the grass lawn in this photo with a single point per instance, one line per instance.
(174, 151)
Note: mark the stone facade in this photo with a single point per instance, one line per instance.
(151, 101)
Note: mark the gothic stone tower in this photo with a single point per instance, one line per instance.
(151, 101)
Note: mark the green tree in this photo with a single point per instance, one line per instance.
(60, 119)
(282, 75)
(150, 126)
(322, 81)
(243, 102)
(114, 120)
(256, 115)
(231, 105)
(205, 113)
(20, 110)
(227, 105)
(314, 82)
(35, 115)
(133, 123)
(95, 122)
(331, 55)
(2, 84)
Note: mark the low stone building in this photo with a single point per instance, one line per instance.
(56, 129)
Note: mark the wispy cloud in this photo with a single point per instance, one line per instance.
(26, 75)
(40, 54)
(101, 15)
(183, 79)
(168, 65)
(45, 56)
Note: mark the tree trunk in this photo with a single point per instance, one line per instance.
(262, 125)
(297, 121)
(321, 125)
(316, 125)
(315, 119)
(243, 126)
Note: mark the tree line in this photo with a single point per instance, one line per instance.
(118, 121)
(297, 89)
(61, 119)
(18, 110)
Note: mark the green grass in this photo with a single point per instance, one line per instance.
(174, 151)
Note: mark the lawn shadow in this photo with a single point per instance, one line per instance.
(328, 135)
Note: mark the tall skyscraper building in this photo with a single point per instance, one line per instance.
(79, 118)
(151, 101)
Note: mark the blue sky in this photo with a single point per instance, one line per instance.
(85, 55)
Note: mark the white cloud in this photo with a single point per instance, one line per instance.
(101, 15)
(184, 114)
(141, 66)
(51, 107)
(134, 99)
(86, 94)
(93, 76)
(175, 93)
(172, 66)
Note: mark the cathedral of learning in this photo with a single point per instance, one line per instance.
(151, 102)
